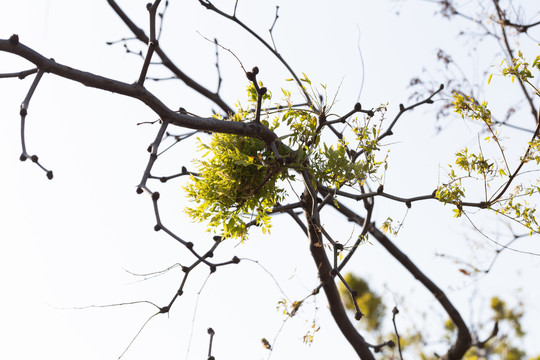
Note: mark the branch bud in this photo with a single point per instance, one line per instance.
(14, 39)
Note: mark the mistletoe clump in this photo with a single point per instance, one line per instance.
(236, 185)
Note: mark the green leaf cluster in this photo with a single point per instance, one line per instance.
(520, 68)
(503, 346)
(521, 212)
(237, 183)
(474, 163)
(451, 193)
(475, 166)
(239, 178)
(468, 107)
(332, 166)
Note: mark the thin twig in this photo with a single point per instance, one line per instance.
(272, 28)
(395, 311)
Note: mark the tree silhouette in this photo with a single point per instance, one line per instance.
(297, 157)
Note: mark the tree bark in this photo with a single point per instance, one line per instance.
(463, 340)
(324, 269)
(251, 129)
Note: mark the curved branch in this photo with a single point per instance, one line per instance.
(402, 109)
(208, 5)
(138, 92)
(502, 22)
(168, 63)
(464, 340)
(324, 269)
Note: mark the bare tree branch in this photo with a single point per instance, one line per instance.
(464, 340)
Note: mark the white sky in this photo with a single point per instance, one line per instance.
(67, 243)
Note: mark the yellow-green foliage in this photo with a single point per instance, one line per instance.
(498, 175)
(503, 346)
(513, 316)
(238, 180)
(236, 184)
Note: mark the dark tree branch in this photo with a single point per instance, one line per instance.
(402, 109)
(21, 74)
(217, 66)
(136, 91)
(252, 76)
(299, 222)
(520, 27)
(162, 18)
(502, 22)
(395, 311)
(512, 176)
(152, 43)
(167, 62)
(353, 293)
(208, 5)
(380, 192)
(23, 112)
(271, 30)
(211, 332)
(464, 340)
(493, 333)
(324, 269)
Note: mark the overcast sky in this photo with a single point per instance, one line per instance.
(76, 240)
